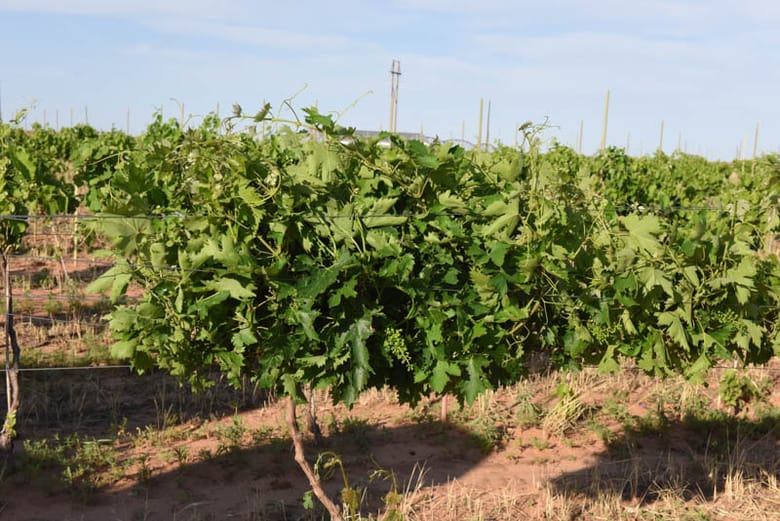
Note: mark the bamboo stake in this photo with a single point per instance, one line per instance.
(56, 119)
(606, 120)
(579, 138)
(86, 115)
(127, 121)
(70, 121)
(661, 142)
(517, 134)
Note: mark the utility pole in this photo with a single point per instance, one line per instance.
(395, 75)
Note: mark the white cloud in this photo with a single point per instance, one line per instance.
(707, 67)
(254, 35)
(200, 8)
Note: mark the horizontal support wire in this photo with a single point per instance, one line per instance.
(68, 368)
(731, 207)
(23, 319)
(38, 235)
(61, 259)
(94, 217)
(771, 370)
(292, 280)
(60, 297)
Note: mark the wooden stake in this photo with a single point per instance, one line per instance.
(606, 120)
(755, 143)
(487, 129)
(755, 150)
(75, 238)
(86, 115)
(479, 132)
(11, 365)
(661, 141)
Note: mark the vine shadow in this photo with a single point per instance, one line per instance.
(218, 477)
(694, 457)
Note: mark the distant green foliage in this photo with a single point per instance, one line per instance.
(29, 182)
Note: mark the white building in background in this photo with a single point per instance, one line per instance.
(428, 140)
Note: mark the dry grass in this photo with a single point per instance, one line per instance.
(556, 446)
(671, 458)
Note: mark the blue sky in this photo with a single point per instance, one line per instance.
(709, 69)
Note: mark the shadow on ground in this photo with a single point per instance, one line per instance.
(218, 477)
(698, 457)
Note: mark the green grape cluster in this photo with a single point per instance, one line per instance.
(728, 316)
(395, 344)
(602, 333)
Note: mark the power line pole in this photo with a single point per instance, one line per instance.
(395, 75)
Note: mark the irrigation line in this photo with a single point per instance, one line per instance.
(773, 370)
